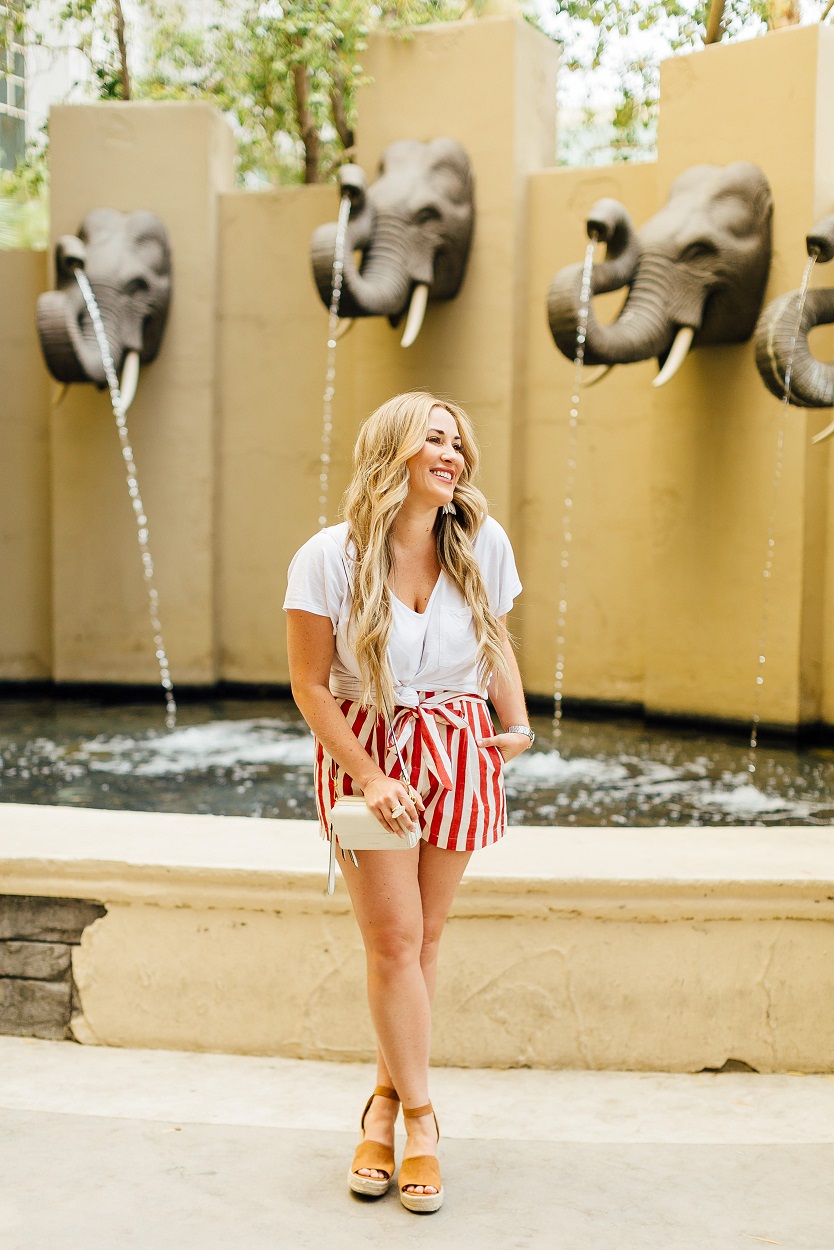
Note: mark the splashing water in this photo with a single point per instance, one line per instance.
(330, 371)
(135, 497)
(767, 571)
(567, 534)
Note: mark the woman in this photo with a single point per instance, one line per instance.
(397, 622)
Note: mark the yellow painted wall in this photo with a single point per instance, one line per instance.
(272, 362)
(610, 523)
(673, 488)
(715, 427)
(490, 85)
(25, 607)
(174, 161)
(823, 344)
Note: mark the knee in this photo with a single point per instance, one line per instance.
(394, 950)
(431, 940)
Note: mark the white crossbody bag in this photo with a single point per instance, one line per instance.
(355, 828)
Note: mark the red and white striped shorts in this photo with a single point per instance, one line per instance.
(460, 783)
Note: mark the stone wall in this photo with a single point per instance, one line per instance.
(37, 994)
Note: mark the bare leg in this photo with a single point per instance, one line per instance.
(385, 894)
(401, 906)
(439, 876)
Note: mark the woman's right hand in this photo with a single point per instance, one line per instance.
(383, 795)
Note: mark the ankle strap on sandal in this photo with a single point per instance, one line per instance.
(382, 1091)
(411, 1112)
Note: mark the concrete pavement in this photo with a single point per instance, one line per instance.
(105, 1148)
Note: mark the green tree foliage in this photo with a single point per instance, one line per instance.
(23, 205)
(285, 71)
(621, 43)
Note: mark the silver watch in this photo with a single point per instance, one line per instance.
(521, 729)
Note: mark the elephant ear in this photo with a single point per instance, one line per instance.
(451, 178)
(743, 208)
(150, 240)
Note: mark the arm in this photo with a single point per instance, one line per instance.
(508, 700)
(311, 648)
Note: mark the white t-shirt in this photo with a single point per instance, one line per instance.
(431, 650)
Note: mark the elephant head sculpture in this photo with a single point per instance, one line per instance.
(696, 272)
(127, 260)
(782, 337)
(413, 227)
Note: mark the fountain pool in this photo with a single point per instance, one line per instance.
(245, 757)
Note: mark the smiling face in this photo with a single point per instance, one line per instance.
(435, 470)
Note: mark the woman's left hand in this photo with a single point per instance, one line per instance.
(510, 745)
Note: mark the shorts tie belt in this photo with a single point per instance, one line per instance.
(419, 720)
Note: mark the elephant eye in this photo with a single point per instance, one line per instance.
(426, 214)
(135, 285)
(701, 250)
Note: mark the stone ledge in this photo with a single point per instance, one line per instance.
(651, 949)
(215, 861)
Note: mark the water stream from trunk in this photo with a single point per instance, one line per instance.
(330, 368)
(570, 480)
(767, 571)
(135, 497)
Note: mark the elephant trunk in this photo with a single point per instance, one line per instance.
(644, 327)
(812, 381)
(68, 339)
(383, 286)
(70, 354)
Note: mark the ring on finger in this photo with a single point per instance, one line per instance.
(398, 811)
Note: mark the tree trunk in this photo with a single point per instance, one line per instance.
(306, 124)
(337, 108)
(714, 28)
(122, 44)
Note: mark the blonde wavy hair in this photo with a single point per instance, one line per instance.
(389, 438)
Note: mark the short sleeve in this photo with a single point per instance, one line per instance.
(316, 579)
(496, 561)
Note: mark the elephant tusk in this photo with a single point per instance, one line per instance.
(129, 380)
(416, 313)
(344, 325)
(59, 394)
(676, 357)
(824, 434)
(591, 376)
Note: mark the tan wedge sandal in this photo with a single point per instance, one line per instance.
(373, 1155)
(421, 1170)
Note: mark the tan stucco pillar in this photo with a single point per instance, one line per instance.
(25, 601)
(491, 85)
(715, 426)
(171, 158)
(272, 361)
(610, 522)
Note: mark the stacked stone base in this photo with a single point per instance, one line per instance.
(37, 994)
